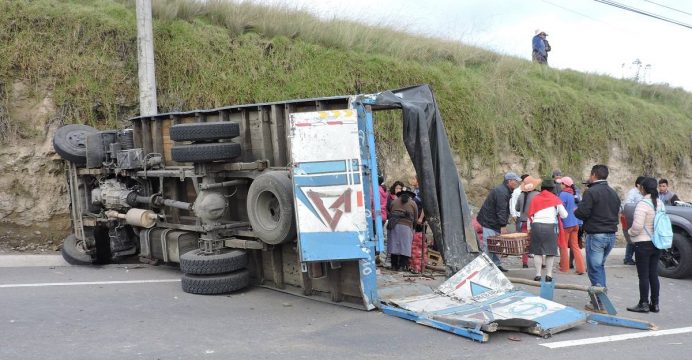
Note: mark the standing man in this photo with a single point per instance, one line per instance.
(513, 204)
(668, 197)
(599, 209)
(494, 214)
(540, 48)
(632, 197)
(557, 175)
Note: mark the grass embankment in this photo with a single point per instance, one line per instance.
(215, 53)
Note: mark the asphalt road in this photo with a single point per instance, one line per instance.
(139, 312)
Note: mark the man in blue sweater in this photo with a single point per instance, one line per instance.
(540, 48)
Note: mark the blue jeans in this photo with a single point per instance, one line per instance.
(598, 246)
(629, 247)
(486, 234)
(629, 252)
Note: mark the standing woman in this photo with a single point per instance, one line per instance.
(571, 227)
(545, 224)
(402, 217)
(646, 255)
(393, 190)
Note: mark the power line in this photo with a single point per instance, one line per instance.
(587, 16)
(668, 7)
(642, 12)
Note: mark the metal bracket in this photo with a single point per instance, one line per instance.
(164, 244)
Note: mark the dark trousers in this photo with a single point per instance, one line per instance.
(646, 256)
(399, 262)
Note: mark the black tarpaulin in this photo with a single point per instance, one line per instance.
(444, 200)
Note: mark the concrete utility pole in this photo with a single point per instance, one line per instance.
(145, 58)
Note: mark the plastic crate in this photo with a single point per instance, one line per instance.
(509, 246)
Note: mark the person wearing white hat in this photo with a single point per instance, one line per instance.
(540, 47)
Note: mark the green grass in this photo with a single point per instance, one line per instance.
(219, 53)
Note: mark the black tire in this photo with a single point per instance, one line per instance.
(103, 246)
(74, 253)
(69, 142)
(196, 263)
(205, 131)
(205, 152)
(676, 262)
(270, 208)
(215, 284)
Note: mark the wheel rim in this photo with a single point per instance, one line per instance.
(268, 210)
(670, 259)
(77, 139)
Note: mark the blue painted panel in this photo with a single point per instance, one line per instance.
(562, 318)
(331, 246)
(324, 180)
(378, 232)
(368, 280)
(320, 167)
(472, 334)
(617, 321)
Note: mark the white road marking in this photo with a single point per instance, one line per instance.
(611, 338)
(89, 283)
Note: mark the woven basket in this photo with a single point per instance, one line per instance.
(509, 245)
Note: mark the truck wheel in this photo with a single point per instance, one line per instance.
(215, 284)
(205, 131)
(74, 253)
(676, 262)
(70, 142)
(270, 208)
(196, 263)
(205, 152)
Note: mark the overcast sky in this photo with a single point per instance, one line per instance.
(585, 35)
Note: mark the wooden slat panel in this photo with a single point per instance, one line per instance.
(277, 267)
(167, 142)
(278, 132)
(245, 137)
(137, 133)
(146, 135)
(288, 110)
(157, 136)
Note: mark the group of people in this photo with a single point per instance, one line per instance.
(402, 211)
(556, 215)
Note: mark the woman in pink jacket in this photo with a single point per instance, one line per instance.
(646, 254)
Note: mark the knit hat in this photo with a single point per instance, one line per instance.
(510, 175)
(547, 183)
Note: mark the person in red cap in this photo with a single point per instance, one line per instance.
(571, 228)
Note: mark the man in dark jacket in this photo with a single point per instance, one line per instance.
(599, 209)
(494, 214)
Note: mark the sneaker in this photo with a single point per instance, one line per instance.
(524, 266)
(629, 262)
(589, 307)
(537, 278)
(548, 278)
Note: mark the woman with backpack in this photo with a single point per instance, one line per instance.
(646, 255)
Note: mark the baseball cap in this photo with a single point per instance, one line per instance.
(511, 175)
(565, 180)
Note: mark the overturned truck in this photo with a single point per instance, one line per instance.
(274, 194)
